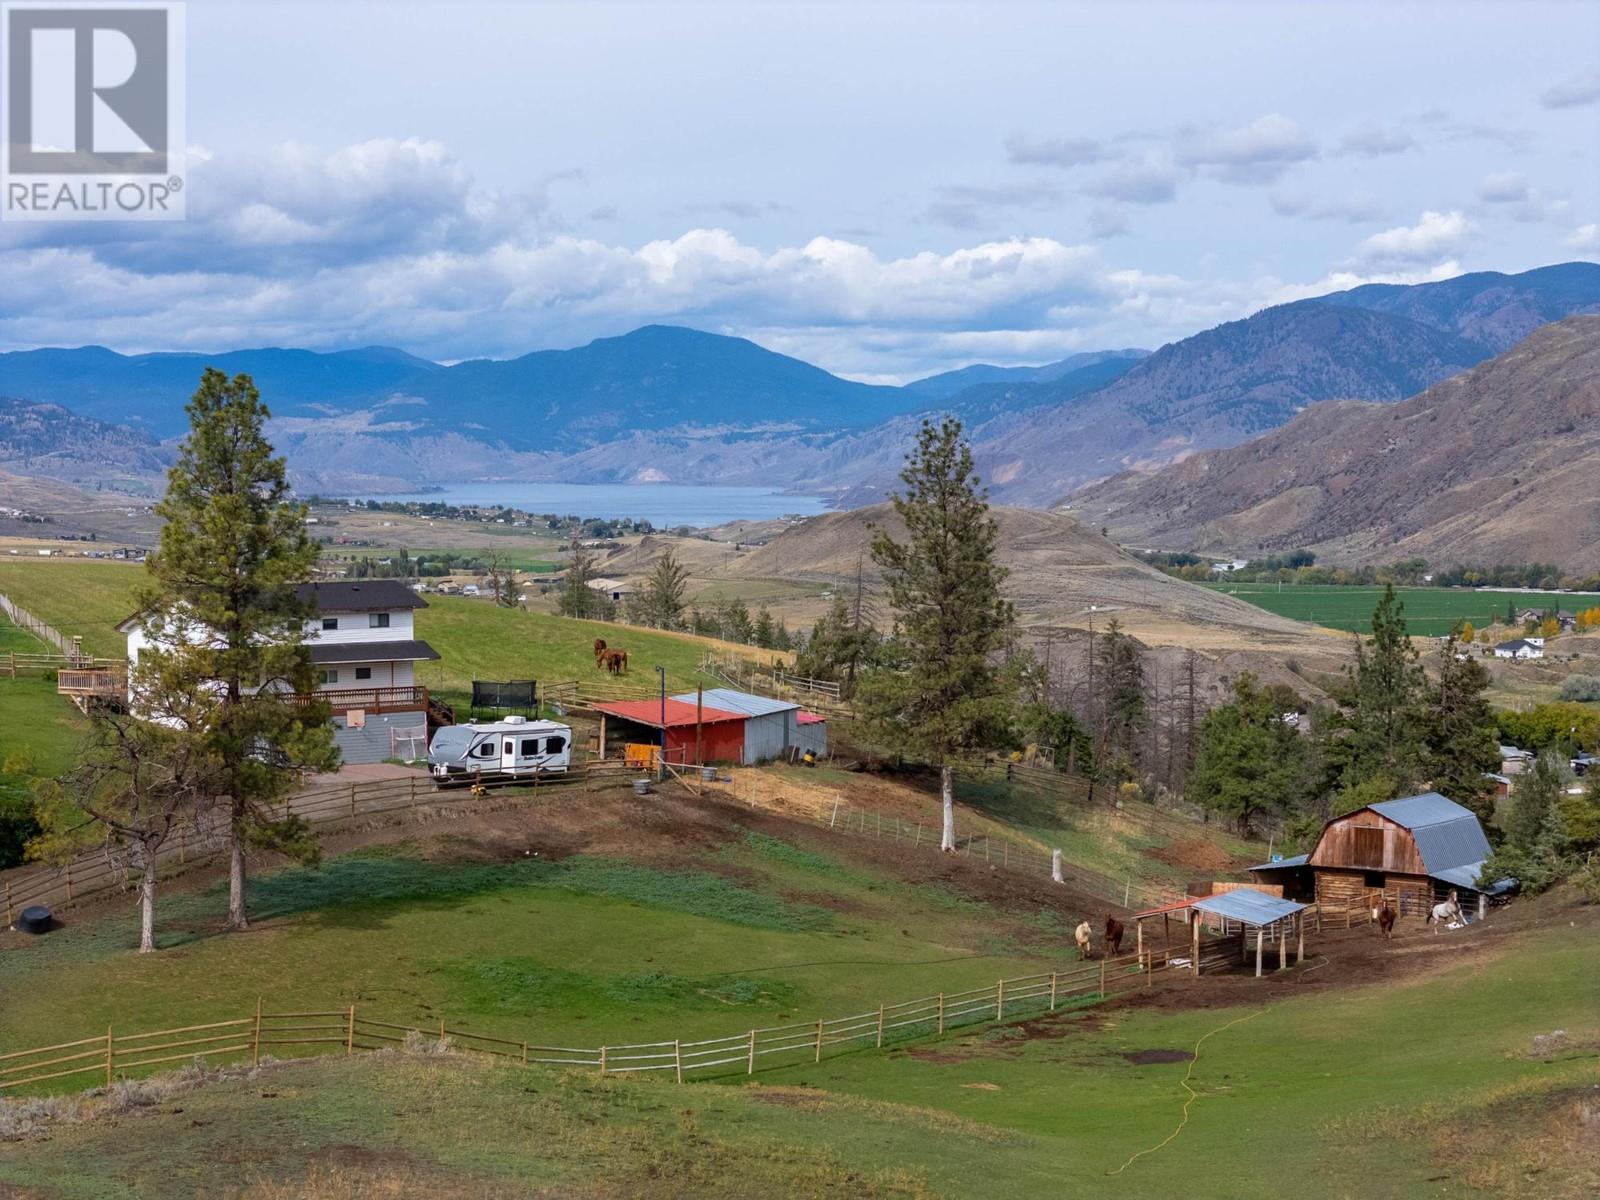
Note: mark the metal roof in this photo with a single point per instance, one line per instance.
(1283, 864)
(1447, 835)
(1467, 877)
(648, 712)
(740, 702)
(1249, 906)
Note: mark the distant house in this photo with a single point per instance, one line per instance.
(363, 646)
(1514, 761)
(614, 590)
(1520, 648)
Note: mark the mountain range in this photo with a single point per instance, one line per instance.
(1496, 465)
(667, 403)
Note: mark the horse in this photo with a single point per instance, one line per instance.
(1386, 916)
(1443, 914)
(616, 661)
(1084, 936)
(1113, 937)
(599, 650)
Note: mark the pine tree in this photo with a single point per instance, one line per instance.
(1384, 697)
(664, 589)
(1124, 708)
(944, 586)
(764, 632)
(1248, 762)
(225, 624)
(1463, 737)
(578, 598)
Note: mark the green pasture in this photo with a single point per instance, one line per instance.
(1430, 612)
(586, 951)
(84, 597)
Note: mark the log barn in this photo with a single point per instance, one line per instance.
(1416, 849)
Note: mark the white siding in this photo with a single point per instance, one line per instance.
(357, 627)
(384, 674)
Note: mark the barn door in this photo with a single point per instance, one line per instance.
(1366, 848)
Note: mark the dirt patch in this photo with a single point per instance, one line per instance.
(1195, 855)
(1143, 1058)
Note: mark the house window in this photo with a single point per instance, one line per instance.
(377, 620)
(330, 675)
(330, 622)
(363, 672)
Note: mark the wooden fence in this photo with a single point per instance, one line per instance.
(25, 620)
(323, 806)
(103, 1058)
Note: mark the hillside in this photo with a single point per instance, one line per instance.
(47, 440)
(1496, 465)
(1214, 389)
(948, 383)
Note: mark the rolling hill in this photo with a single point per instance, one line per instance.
(1495, 465)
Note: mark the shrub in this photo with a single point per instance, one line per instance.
(1581, 687)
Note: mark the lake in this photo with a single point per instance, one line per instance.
(662, 504)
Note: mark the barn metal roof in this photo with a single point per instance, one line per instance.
(741, 702)
(648, 712)
(1249, 906)
(1283, 864)
(1447, 835)
(1467, 877)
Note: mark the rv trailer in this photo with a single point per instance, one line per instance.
(498, 751)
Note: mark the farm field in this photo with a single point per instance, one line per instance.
(1430, 612)
(714, 921)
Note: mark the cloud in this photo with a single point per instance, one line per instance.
(1585, 238)
(1147, 178)
(1375, 141)
(1056, 152)
(969, 207)
(1255, 153)
(1434, 236)
(1503, 187)
(1579, 90)
(1354, 209)
(1108, 221)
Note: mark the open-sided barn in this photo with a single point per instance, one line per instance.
(1418, 849)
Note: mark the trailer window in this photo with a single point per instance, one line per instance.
(486, 749)
(530, 747)
(555, 745)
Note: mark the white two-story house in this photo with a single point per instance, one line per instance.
(364, 647)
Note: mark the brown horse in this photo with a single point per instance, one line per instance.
(599, 652)
(1113, 938)
(1386, 916)
(616, 661)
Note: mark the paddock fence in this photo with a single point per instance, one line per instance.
(324, 807)
(102, 1059)
(26, 621)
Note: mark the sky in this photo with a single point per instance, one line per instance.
(884, 189)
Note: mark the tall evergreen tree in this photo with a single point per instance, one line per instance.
(578, 598)
(944, 586)
(1248, 762)
(1463, 736)
(1124, 707)
(1384, 698)
(224, 622)
(664, 590)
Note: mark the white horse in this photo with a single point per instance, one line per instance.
(1084, 936)
(1444, 914)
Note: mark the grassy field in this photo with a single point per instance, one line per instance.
(1429, 611)
(475, 639)
(1423, 1086)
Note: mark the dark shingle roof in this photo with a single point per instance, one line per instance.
(365, 595)
(324, 653)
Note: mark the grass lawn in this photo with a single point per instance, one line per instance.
(1423, 1087)
(580, 952)
(86, 597)
(1430, 612)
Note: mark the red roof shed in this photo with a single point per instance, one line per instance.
(722, 732)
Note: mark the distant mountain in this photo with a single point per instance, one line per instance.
(1492, 310)
(47, 440)
(1494, 465)
(938, 387)
(1214, 389)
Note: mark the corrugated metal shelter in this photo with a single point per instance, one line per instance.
(811, 733)
(1417, 848)
(720, 733)
(1270, 917)
(770, 726)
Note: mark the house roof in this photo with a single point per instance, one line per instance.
(1518, 644)
(327, 653)
(1284, 864)
(746, 703)
(1447, 835)
(363, 595)
(679, 714)
(1247, 905)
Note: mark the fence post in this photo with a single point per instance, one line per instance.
(1000, 1000)
(919, 834)
(1052, 991)
(751, 1069)
(255, 1048)
(350, 1030)
(819, 1039)
(880, 1027)
(69, 881)
(941, 1014)
(833, 820)
(352, 799)
(677, 1056)
(109, 1053)
(8, 902)
(441, 1029)
(1055, 866)
(1102, 976)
